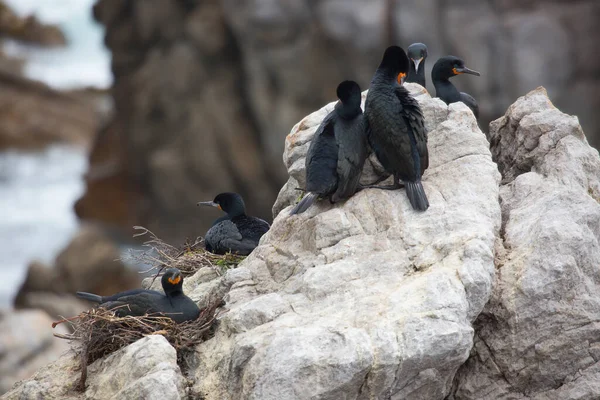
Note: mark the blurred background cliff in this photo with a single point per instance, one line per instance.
(190, 98)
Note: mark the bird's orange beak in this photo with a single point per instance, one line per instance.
(175, 280)
(401, 76)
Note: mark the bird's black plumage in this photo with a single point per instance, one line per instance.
(396, 127)
(337, 152)
(444, 69)
(173, 303)
(417, 53)
(235, 232)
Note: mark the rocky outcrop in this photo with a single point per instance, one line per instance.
(196, 117)
(365, 299)
(489, 294)
(539, 336)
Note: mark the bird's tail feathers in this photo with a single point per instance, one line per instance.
(89, 296)
(416, 195)
(304, 203)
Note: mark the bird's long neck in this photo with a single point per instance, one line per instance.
(445, 90)
(348, 110)
(385, 76)
(417, 76)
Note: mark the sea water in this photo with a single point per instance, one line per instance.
(38, 189)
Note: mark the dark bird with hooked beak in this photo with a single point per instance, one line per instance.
(417, 53)
(137, 302)
(444, 69)
(397, 131)
(337, 152)
(234, 232)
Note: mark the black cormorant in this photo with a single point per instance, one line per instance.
(337, 151)
(173, 303)
(417, 53)
(444, 69)
(396, 127)
(235, 232)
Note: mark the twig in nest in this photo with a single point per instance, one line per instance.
(189, 258)
(98, 332)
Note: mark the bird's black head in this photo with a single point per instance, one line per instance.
(172, 281)
(231, 203)
(349, 94)
(348, 91)
(449, 66)
(417, 52)
(395, 62)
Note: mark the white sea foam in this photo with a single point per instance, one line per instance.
(37, 194)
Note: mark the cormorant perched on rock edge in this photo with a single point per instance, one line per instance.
(235, 232)
(137, 302)
(397, 131)
(337, 152)
(444, 69)
(417, 52)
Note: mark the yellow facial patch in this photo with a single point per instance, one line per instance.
(175, 281)
(456, 72)
(401, 75)
(219, 207)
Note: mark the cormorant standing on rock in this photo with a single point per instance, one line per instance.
(417, 52)
(137, 302)
(396, 127)
(235, 232)
(337, 151)
(444, 69)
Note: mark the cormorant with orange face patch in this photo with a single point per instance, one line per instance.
(444, 69)
(235, 232)
(137, 302)
(397, 131)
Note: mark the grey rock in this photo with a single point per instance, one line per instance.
(365, 298)
(146, 369)
(538, 336)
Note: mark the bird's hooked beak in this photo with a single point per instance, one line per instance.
(175, 279)
(401, 77)
(417, 62)
(465, 70)
(210, 204)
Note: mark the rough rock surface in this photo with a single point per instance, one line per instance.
(539, 336)
(365, 299)
(205, 91)
(26, 344)
(146, 369)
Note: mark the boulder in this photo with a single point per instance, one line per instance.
(366, 298)
(146, 369)
(538, 338)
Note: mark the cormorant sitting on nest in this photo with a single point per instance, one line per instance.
(137, 302)
(396, 127)
(444, 69)
(235, 232)
(337, 151)
(417, 52)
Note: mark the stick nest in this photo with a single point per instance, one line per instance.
(99, 332)
(188, 258)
